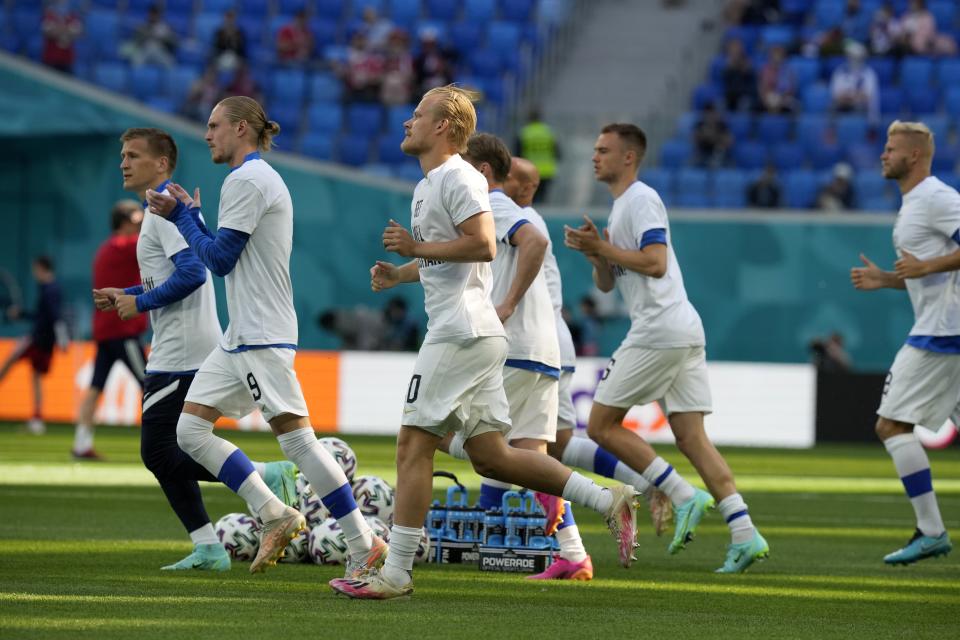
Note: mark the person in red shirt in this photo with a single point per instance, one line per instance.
(60, 27)
(294, 40)
(115, 264)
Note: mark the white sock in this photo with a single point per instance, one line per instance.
(582, 490)
(261, 468)
(404, 542)
(582, 453)
(357, 532)
(456, 447)
(258, 495)
(571, 545)
(83, 438)
(734, 511)
(315, 463)
(913, 467)
(204, 535)
(664, 477)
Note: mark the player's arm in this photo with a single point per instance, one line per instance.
(583, 239)
(909, 266)
(188, 276)
(531, 248)
(384, 275)
(476, 243)
(871, 277)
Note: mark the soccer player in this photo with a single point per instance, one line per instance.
(457, 383)
(117, 340)
(177, 292)
(662, 357)
(521, 186)
(253, 366)
(48, 330)
(922, 385)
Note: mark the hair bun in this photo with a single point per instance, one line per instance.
(272, 127)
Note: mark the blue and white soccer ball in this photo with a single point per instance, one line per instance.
(327, 544)
(298, 550)
(374, 497)
(240, 535)
(379, 528)
(423, 549)
(310, 505)
(342, 453)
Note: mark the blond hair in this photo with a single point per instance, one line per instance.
(237, 108)
(455, 105)
(919, 133)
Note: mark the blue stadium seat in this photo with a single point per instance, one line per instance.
(479, 11)
(397, 115)
(825, 154)
(503, 36)
(364, 119)
(161, 103)
(325, 87)
(951, 101)
(690, 180)
(517, 10)
(217, 6)
(885, 68)
(146, 81)
(178, 82)
(816, 98)
(289, 117)
(112, 76)
(317, 145)
(686, 123)
(945, 159)
(811, 128)
(828, 13)
(658, 179)
(26, 20)
(916, 72)
(290, 7)
(795, 10)
(891, 99)
(922, 100)
(806, 70)
(466, 36)
(741, 125)
(692, 199)
(800, 189)
(750, 154)
(864, 156)
(253, 8)
(325, 31)
(405, 12)
(948, 72)
(675, 153)
(445, 10)
(867, 184)
(730, 188)
(772, 128)
(288, 85)
(486, 63)
(945, 13)
(353, 150)
(746, 34)
(939, 124)
(100, 25)
(205, 27)
(717, 64)
(851, 129)
(787, 155)
(704, 94)
(330, 9)
(388, 149)
(325, 118)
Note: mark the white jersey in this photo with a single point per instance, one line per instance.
(532, 329)
(456, 294)
(551, 271)
(661, 317)
(255, 200)
(185, 331)
(927, 227)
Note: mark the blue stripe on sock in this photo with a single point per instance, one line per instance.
(604, 462)
(918, 483)
(738, 514)
(663, 476)
(491, 496)
(568, 520)
(340, 501)
(235, 470)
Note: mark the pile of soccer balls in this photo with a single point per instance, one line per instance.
(323, 541)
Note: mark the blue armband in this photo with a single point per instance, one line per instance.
(134, 291)
(187, 278)
(219, 252)
(653, 236)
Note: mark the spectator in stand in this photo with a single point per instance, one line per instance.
(885, 33)
(295, 40)
(853, 24)
(837, 195)
(377, 29)
(229, 43)
(588, 329)
(398, 78)
(764, 192)
(854, 86)
(919, 32)
(203, 95)
(829, 355)
(154, 42)
(778, 83)
(827, 44)
(60, 27)
(401, 332)
(739, 79)
(433, 67)
(242, 83)
(712, 138)
(363, 74)
(752, 11)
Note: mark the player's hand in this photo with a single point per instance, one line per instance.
(160, 204)
(398, 240)
(585, 239)
(181, 194)
(104, 299)
(505, 310)
(126, 306)
(867, 277)
(384, 275)
(909, 266)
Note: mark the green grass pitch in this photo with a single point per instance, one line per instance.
(81, 544)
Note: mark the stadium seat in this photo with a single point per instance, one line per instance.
(945, 159)
(825, 154)
(517, 10)
(867, 184)
(690, 180)
(178, 82)
(317, 145)
(891, 99)
(288, 85)
(446, 10)
(800, 189)
(325, 31)
(922, 100)
(787, 155)
(330, 9)
(948, 72)
(388, 149)
(205, 27)
(816, 98)
(939, 124)
(658, 179)
(851, 129)
(259, 9)
(772, 128)
(951, 101)
(217, 6)
(325, 87)
(730, 188)
(882, 202)
(26, 20)
(288, 116)
(686, 123)
(325, 117)
(364, 119)
(397, 115)
(750, 154)
(290, 7)
(916, 72)
(486, 63)
(503, 36)
(811, 128)
(828, 13)
(466, 36)
(741, 125)
(147, 81)
(111, 75)
(479, 11)
(161, 103)
(675, 153)
(806, 70)
(777, 35)
(885, 68)
(704, 94)
(100, 26)
(864, 156)
(406, 12)
(945, 13)
(353, 150)
(746, 34)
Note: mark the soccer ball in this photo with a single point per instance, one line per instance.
(312, 508)
(423, 549)
(298, 550)
(302, 484)
(327, 544)
(374, 497)
(379, 528)
(240, 535)
(342, 453)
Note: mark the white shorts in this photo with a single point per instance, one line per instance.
(459, 387)
(922, 387)
(638, 375)
(237, 383)
(533, 404)
(566, 414)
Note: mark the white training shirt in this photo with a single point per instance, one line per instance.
(926, 227)
(661, 317)
(456, 294)
(551, 272)
(185, 331)
(532, 329)
(255, 200)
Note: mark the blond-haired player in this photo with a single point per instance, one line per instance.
(923, 382)
(457, 384)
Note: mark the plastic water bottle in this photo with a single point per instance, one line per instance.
(436, 520)
(515, 529)
(493, 528)
(455, 523)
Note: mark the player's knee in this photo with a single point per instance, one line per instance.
(597, 431)
(888, 428)
(190, 437)
(486, 467)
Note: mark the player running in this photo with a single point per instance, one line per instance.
(662, 357)
(922, 386)
(253, 366)
(457, 383)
